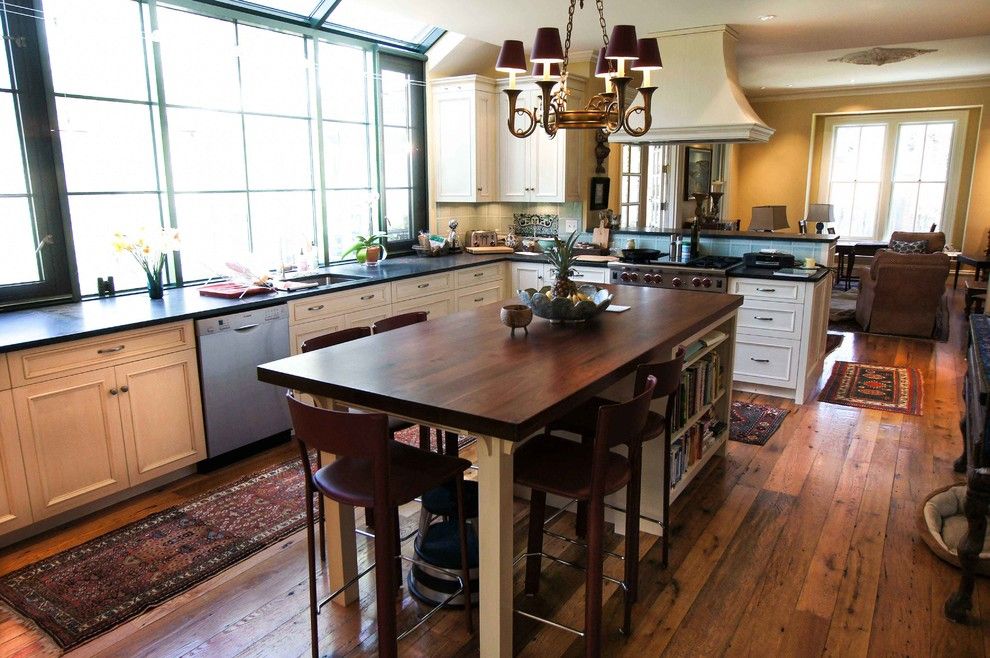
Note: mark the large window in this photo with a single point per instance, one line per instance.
(644, 187)
(257, 140)
(896, 172)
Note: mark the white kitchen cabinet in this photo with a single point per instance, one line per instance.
(537, 169)
(464, 146)
(527, 275)
(588, 275)
(15, 504)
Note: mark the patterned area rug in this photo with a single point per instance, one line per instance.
(91, 588)
(884, 388)
(754, 423)
(410, 437)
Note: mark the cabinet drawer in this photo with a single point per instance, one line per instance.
(4, 373)
(766, 360)
(436, 305)
(300, 333)
(590, 275)
(339, 302)
(476, 275)
(43, 363)
(478, 296)
(366, 317)
(765, 318)
(783, 291)
(421, 286)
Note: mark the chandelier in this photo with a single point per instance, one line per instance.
(606, 111)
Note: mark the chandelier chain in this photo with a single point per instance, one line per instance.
(567, 37)
(601, 20)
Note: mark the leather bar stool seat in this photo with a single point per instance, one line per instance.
(582, 420)
(571, 463)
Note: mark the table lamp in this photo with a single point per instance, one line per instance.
(768, 218)
(822, 214)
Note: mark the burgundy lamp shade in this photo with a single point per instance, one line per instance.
(602, 69)
(649, 56)
(547, 47)
(623, 43)
(511, 58)
(554, 69)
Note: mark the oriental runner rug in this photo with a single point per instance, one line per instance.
(884, 388)
(754, 423)
(89, 589)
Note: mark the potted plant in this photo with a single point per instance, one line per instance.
(150, 253)
(368, 250)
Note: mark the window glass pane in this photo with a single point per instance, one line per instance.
(199, 60)
(274, 72)
(624, 191)
(910, 149)
(213, 229)
(845, 153)
(11, 159)
(871, 145)
(395, 98)
(4, 66)
(97, 48)
(278, 153)
(634, 159)
(931, 201)
(864, 209)
(207, 150)
(106, 146)
(347, 154)
(632, 216)
(397, 151)
(634, 189)
(841, 198)
(299, 7)
(18, 263)
(95, 219)
(359, 16)
(281, 226)
(397, 212)
(343, 75)
(349, 213)
(938, 145)
(903, 200)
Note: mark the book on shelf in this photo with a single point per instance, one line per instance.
(711, 338)
(691, 446)
(699, 386)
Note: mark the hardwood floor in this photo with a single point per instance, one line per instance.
(804, 546)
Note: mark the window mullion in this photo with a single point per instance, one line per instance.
(379, 113)
(886, 179)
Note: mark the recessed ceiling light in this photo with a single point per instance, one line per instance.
(767, 17)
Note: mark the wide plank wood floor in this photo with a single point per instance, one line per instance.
(805, 546)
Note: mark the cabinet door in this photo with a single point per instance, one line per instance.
(300, 333)
(513, 154)
(71, 439)
(436, 305)
(15, 505)
(486, 116)
(547, 166)
(368, 317)
(455, 146)
(161, 414)
(527, 275)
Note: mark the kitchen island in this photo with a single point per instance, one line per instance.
(466, 373)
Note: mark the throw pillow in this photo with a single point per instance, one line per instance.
(905, 247)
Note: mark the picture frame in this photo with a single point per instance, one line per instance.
(598, 196)
(697, 171)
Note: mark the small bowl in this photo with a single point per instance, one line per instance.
(516, 316)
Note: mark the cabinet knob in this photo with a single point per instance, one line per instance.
(124, 389)
(113, 391)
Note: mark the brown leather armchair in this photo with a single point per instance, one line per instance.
(904, 294)
(936, 241)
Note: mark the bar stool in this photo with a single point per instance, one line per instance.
(583, 421)
(587, 473)
(372, 471)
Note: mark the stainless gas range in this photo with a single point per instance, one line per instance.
(706, 274)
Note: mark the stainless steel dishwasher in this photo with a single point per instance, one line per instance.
(239, 409)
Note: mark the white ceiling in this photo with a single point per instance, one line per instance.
(790, 52)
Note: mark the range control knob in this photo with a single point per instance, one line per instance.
(648, 278)
(624, 276)
(676, 282)
(706, 282)
(634, 276)
(696, 282)
(658, 280)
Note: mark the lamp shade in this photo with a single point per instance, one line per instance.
(554, 69)
(768, 218)
(649, 56)
(602, 68)
(512, 58)
(821, 212)
(623, 43)
(547, 46)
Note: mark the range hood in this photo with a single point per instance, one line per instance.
(699, 98)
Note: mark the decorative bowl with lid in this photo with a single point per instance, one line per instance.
(586, 303)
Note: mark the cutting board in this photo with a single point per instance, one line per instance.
(598, 259)
(489, 250)
(600, 236)
(232, 290)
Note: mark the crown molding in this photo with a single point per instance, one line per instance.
(968, 82)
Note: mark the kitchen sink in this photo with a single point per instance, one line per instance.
(325, 279)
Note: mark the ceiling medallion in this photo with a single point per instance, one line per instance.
(605, 111)
(881, 56)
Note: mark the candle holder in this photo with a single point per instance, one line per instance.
(716, 198)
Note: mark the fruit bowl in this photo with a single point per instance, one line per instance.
(589, 302)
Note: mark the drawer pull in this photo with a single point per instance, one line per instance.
(479, 274)
(365, 298)
(576, 275)
(753, 358)
(757, 317)
(479, 299)
(766, 290)
(110, 350)
(315, 308)
(124, 389)
(423, 285)
(113, 391)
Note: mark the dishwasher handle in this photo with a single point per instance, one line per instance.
(247, 327)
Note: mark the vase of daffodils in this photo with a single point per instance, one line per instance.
(150, 252)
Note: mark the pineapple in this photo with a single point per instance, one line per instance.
(562, 257)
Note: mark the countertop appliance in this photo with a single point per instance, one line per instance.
(706, 274)
(239, 409)
(768, 259)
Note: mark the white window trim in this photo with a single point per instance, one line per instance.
(892, 120)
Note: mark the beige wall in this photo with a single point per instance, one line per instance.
(778, 172)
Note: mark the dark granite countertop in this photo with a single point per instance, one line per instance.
(766, 273)
(739, 235)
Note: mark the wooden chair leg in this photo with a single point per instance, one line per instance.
(424, 438)
(397, 539)
(450, 444)
(385, 584)
(593, 580)
(631, 563)
(581, 521)
(465, 564)
(322, 514)
(665, 504)
(537, 512)
(314, 634)
(369, 517)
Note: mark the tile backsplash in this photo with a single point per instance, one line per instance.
(496, 216)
